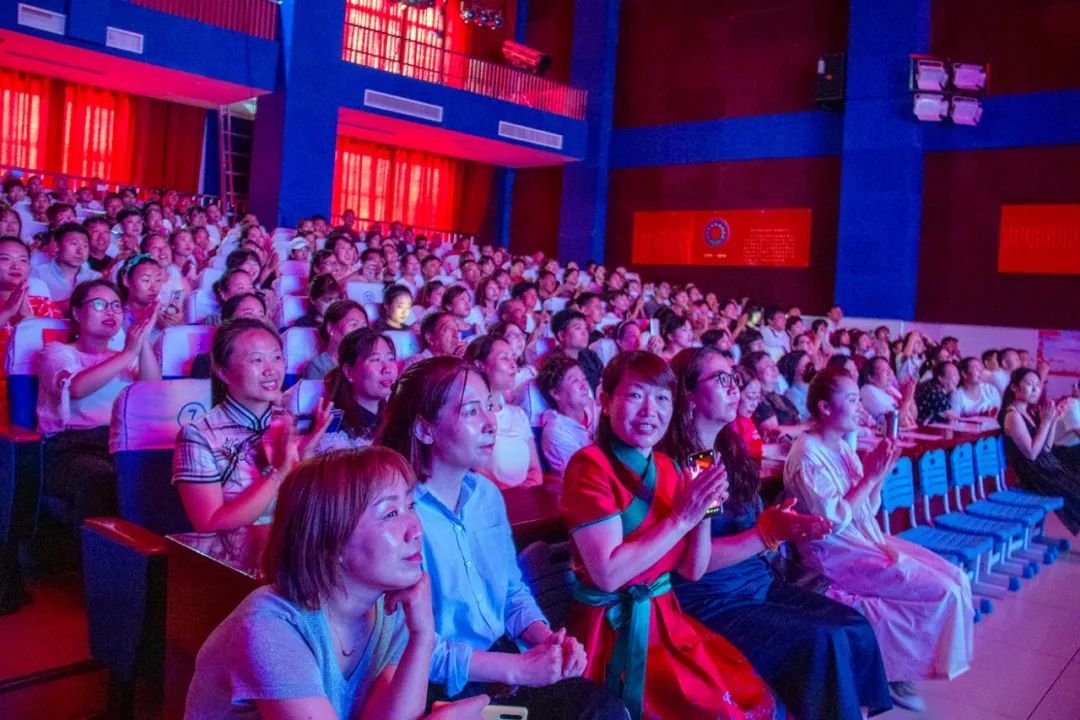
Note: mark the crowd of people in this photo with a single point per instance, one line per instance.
(394, 576)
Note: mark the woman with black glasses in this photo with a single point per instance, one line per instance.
(77, 384)
(819, 656)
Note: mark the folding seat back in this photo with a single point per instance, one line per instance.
(301, 345)
(146, 418)
(546, 569)
(37, 287)
(406, 344)
(303, 398)
(898, 491)
(200, 304)
(365, 293)
(294, 267)
(180, 345)
(293, 307)
(20, 365)
(210, 276)
(292, 284)
(934, 474)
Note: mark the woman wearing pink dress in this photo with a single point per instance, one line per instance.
(918, 603)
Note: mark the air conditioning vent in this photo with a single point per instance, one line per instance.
(403, 106)
(42, 19)
(124, 40)
(530, 135)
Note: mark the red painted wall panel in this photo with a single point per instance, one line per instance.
(689, 60)
(804, 182)
(534, 218)
(1031, 45)
(962, 197)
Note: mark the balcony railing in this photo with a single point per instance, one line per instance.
(251, 17)
(431, 63)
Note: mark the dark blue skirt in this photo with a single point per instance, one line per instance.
(819, 656)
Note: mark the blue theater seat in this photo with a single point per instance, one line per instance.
(180, 345)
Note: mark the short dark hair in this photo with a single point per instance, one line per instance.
(126, 213)
(563, 318)
(228, 310)
(989, 355)
(427, 325)
(551, 374)
(520, 288)
(70, 227)
(336, 313)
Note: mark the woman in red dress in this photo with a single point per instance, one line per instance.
(635, 518)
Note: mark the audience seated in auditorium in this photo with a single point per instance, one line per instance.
(77, 384)
(16, 301)
(880, 393)
(232, 283)
(570, 423)
(1029, 420)
(896, 584)
(797, 369)
(438, 419)
(775, 414)
(68, 268)
(821, 657)
(1008, 361)
(571, 331)
(344, 560)
(396, 308)
(340, 319)
(229, 463)
(359, 387)
(932, 397)
(634, 522)
(515, 461)
(974, 395)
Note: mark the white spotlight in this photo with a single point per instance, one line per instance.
(966, 110)
(969, 77)
(930, 108)
(930, 75)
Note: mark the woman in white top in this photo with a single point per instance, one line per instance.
(919, 603)
(880, 395)
(78, 382)
(514, 461)
(975, 396)
(571, 424)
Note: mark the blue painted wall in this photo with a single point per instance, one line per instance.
(170, 41)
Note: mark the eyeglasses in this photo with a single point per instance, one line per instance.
(100, 305)
(727, 380)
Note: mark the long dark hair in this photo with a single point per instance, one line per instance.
(358, 344)
(421, 392)
(1009, 397)
(681, 439)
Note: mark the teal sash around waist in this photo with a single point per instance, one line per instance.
(628, 612)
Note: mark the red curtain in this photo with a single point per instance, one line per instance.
(381, 182)
(59, 127)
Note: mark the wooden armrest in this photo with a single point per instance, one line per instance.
(128, 533)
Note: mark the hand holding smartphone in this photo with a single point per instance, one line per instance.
(698, 463)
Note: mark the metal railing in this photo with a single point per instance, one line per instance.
(434, 64)
(251, 17)
(97, 185)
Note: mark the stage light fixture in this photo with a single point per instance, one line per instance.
(929, 107)
(965, 110)
(930, 75)
(525, 58)
(482, 14)
(969, 77)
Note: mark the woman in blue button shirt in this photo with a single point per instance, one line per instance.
(345, 629)
(439, 417)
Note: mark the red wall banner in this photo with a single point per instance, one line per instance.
(1039, 239)
(777, 237)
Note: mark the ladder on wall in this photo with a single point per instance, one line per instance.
(235, 135)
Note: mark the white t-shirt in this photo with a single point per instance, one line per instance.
(989, 399)
(563, 436)
(56, 409)
(777, 343)
(1000, 379)
(510, 459)
(877, 401)
(1068, 425)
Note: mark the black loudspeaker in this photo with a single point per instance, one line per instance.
(829, 92)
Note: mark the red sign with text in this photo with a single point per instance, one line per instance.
(777, 237)
(1039, 239)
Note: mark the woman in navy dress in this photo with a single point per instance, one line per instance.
(819, 656)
